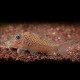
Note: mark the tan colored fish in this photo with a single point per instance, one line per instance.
(32, 42)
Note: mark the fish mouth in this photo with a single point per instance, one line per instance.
(3, 44)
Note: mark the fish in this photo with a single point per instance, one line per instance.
(32, 42)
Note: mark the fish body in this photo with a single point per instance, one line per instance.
(32, 42)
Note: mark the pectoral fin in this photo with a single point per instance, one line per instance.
(22, 50)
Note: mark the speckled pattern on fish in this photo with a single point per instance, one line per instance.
(32, 42)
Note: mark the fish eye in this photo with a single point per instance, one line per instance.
(18, 37)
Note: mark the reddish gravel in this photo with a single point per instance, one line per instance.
(66, 34)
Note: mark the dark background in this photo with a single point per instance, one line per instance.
(61, 14)
(35, 17)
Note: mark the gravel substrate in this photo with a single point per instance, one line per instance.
(68, 35)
